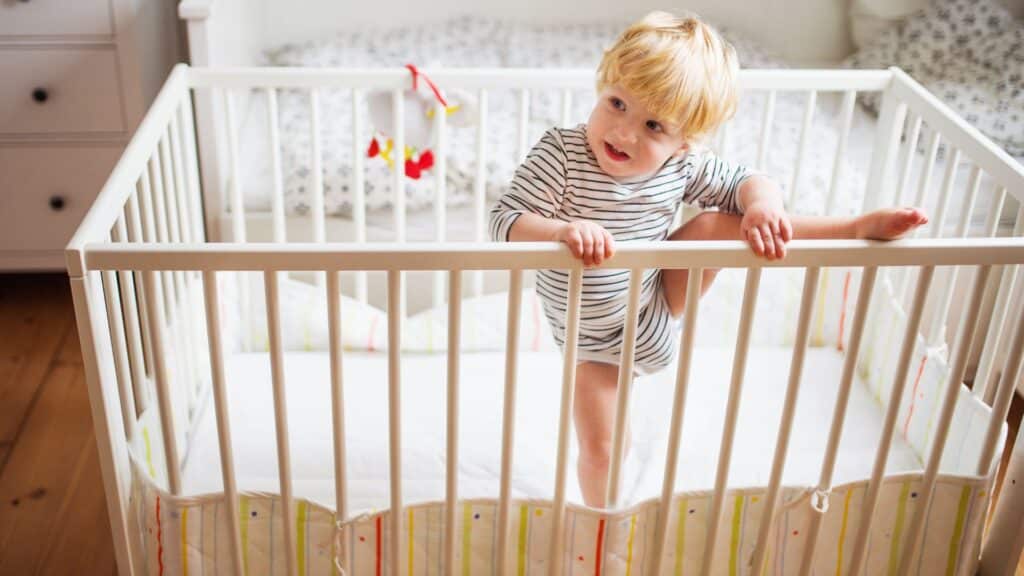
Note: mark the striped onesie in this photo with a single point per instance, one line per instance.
(561, 179)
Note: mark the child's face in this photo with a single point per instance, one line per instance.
(627, 140)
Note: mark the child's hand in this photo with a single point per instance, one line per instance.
(587, 240)
(766, 227)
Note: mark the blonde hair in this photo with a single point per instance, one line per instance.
(679, 68)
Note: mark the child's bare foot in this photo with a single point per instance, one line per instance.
(889, 223)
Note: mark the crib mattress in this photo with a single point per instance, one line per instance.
(481, 384)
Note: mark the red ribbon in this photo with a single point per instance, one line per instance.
(415, 77)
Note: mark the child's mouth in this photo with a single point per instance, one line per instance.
(614, 153)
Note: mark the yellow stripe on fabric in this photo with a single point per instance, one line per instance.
(897, 530)
(734, 544)
(842, 530)
(524, 517)
(467, 530)
(411, 542)
(958, 530)
(184, 541)
(244, 521)
(629, 545)
(149, 453)
(300, 540)
(819, 304)
(681, 536)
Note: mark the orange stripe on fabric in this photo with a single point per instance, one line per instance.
(842, 311)
(159, 539)
(913, 397)
(600, 543)
(379, 559)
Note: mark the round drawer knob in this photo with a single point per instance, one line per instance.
(57, 203)
(40, 95)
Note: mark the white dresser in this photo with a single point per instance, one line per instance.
(76, 76)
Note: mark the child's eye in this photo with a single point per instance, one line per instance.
(654, 126)
(617, 103)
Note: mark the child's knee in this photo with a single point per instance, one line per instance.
(701, 227)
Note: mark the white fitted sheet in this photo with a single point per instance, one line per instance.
(482, 375)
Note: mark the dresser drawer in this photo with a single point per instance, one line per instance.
(45, 192)
(55, 17)
(59, 90)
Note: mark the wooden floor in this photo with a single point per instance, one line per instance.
(53, 519)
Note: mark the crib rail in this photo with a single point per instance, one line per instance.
(148, 301)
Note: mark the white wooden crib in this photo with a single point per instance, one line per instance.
(153, 296)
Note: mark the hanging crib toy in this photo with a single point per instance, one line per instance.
(420, 128)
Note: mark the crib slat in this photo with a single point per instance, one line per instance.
(358, 187)
(788, 410)
(115, 323)
(284, 460)
(908, 158)
(235, 186)
(160, 222)
(523, 125)
(452, 418)
(1001, 407)
(398, 120)
(766, 129)
(731, 412)
(515, 294)
(480, 188)
(317, 160)
(891, 117)
(163, 390)
(623, 389)
(135, 234)
(678, 410)
(441, 193)
(867, 286)
(277, 197)
(1000, 310)
(912, 539)
(220, 404)
(187, 234)
(395, 412)
(812, 98)
(938, 327)
(136, 360)
(885, 441)
(845, 121)
(181, 309)
(566, 108)
(572, 328)
(189, 141)
(922, 193)
(948, 180)
(334, 320)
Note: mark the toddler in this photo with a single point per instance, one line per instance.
(664, 85)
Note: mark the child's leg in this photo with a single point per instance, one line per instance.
(884, 224)
(594, 416)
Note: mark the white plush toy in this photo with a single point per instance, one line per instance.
(420, 129)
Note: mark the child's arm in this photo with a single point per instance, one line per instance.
(527, 211)
(588, 241)
(765, 225)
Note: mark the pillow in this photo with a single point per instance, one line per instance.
(303, 309)
(968, 53)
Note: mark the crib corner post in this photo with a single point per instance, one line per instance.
(891, 117)
(1004, 539)
(112, 444)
